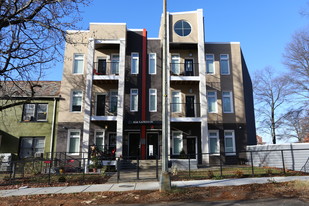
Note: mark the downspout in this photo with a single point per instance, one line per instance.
(52, 136)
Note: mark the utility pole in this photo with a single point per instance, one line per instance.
(165, 180)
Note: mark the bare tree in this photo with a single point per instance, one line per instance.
(296, 122)
(296, 58)
(270, 94)
(32, 35)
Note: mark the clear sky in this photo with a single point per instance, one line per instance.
(263, 27)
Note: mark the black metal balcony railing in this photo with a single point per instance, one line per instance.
(105, 109)
(185, 109)
(184, 69)
(106, 68)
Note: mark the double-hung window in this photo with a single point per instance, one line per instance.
(224, 64)
(176, 101)
(35, 112)
(113, 101)
(227, 101)
(29, 146)
(73, 141)
(152, 100)
(229, 142)
(134, 63)
(99, 139)
(210, 66)
(134, 100)
(175, 64)
(177, 142)
(78, 64)
(212, 101)
(152, 63)
(76, 105)
(214, 145)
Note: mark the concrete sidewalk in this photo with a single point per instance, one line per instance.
(144, 186)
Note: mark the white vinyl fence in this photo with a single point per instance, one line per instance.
(292, 156)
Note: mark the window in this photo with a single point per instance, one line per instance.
(152, 61)
(177, 142)
(29, 146)
(76, 101)
(214, 145)
(229, 142)
(73, 141)
(175, 64)
(227, 102)
(176, 101)
(134, 63)
(35, 112)
(115, 64)
(212, 101)
(99, 139)
(152, 100)
(210, 66)
(78, 65)
(134, 100)
(113, 101)
(182, 28)
(224, 64)
(112, 142)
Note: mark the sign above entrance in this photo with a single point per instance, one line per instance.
(144, 122)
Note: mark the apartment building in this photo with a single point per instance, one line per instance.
(112, 90)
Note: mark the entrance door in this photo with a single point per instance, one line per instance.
(191, 147)
(188, 67)
(100, 109)
(190, 106)
(134, 145)
(102, 66)
(152, 145)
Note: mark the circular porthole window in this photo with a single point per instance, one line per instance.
(182, 28)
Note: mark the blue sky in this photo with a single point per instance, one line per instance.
(263, 27)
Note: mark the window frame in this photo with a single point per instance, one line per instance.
(95, 138)
(217, 140)
(32, 146)
(231, 102)
(174, 103)
(155, 63)
(110, 100)
(228, 64)
(133, 58)
(131, 97)
(114, 60)
(180, 31)
(216, 101)
(233, 141)
(181, 141)
(155, 102)
(72, 98)
(213, 63)
(178, 64)
(74, 63)
(35, 113)
(69, 141)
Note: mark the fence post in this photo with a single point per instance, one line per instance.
(252, 166)
(221, 169)
(137, 168)
(118, 169)
(189, 166)
(157, 168)
(283, 165)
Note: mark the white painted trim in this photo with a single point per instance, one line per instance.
(183, 12)
(83, 69)
(173, 132)
(228, 64)
(95, 137)
(156, 100)
(71, 100)
(135, 58)
(185, 78)
(222, 42)
(180, 101)
(135, 29)
(106, 77)
(216, 97)
(131, 95)
(103, 118)
(218, 141)
(214, 65)
(231, 101)
(155, 69)
(107, 41)
(186, 119)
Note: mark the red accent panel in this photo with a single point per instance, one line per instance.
(144, 92)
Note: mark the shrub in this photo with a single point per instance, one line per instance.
(238, 173)
(269, 172)
(61, 179)
(210, 174)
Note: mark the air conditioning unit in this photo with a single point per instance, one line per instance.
(38, 154)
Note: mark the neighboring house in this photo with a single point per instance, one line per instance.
(28, 117)
(112, 86)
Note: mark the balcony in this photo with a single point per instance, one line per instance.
(103, 111)
(104, 70)
(187, 71)
(185, 112)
